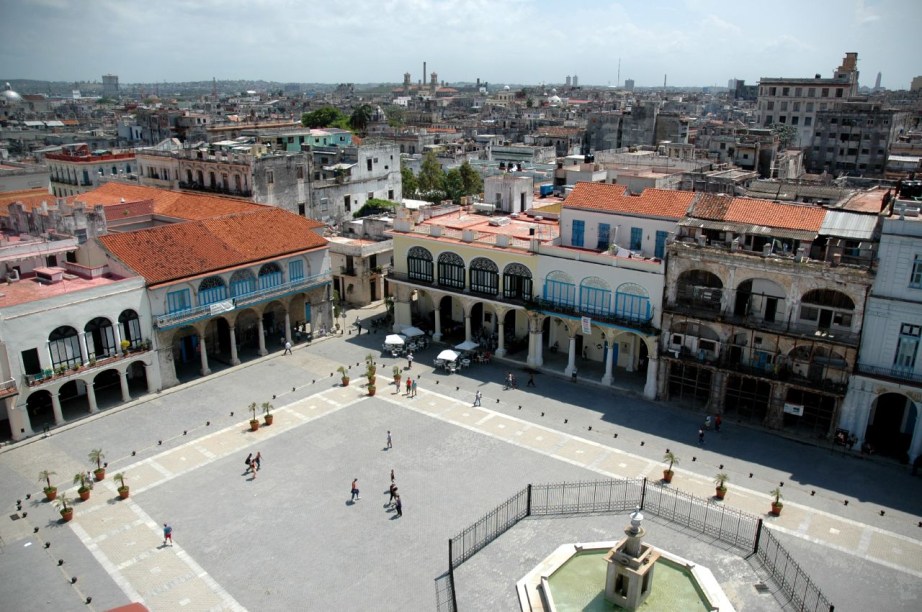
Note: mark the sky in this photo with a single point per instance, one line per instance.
(530, 42)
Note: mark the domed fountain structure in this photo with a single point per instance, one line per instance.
(629, 578)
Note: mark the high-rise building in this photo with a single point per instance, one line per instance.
(877, 82)
(629, 84)
(110, 85)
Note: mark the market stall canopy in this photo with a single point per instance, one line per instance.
(412, 332)
(467, 345)
(394, 340)
(448, 355)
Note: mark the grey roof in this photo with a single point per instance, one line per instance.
(846, 224)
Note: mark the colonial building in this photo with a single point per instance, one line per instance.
(76, 169)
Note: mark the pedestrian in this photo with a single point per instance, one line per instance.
(282, 340)
(414, 387)
(249, 462)
(508, 381)
(167, 534)
(707, 422)
(355, 490)
(409, 385)
(253, 468)
(393, 491)
(409, 361)
(258, 460)
(515, 385)
(477, 397)
(392, 476)
(287, 348)
(700, 436)
(717, 422)
(399, 506)
(531, 379)
(390, 443)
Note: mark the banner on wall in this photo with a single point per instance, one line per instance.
(795, 409)
(587, 326)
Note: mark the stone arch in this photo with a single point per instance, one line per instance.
(136, 372)
(559, 288)
(242, 282)
(270, 275)
(817, 364)
(699, 289)
(64, 347)
(451, 270)
(484, 276)
(761, 298)
(892, 421)
(40, 410)
(517, 282)
(419, 264)
(130, 324)
(100, 338)
(107, 385)
(211, 290)
(632, 301)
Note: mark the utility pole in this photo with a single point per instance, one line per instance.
(618, 82)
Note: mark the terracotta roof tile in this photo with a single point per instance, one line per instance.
(29, 198)
(181, 250)
(611, 198)
(177, 204)
(808, 217)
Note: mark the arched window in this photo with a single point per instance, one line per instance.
(100, 338)
(699, 289)
(517, 282)
(242, 283)
(451, 271)
(419, 264)
(560, 289)
(827, 308)
(632, 302)
(212, 290)
(484, 276)
(270, 275)
(595, 296)
(131, 327)
(64, 347)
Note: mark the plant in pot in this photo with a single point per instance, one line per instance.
(122, 487)
(776, 504)
(125, 344)
(671, 459)
(50, 491)
(254, 422)
(96, 456)
(86, 485)
(370, 375)
(344, 375)
(267, 412)
(721, 481)
(67, 511)
(396, 371)
(370, 365)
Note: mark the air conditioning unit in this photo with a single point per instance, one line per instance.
(12, 276)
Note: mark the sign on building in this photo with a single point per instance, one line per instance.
(795, 409)
(587, 326)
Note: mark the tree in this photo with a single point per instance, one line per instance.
(396, 115)
(360, 118)
(375, 206)
(408, 180)
(786, 134)
(454, 185)
(322, 117)
(431, 176)
(473, 182)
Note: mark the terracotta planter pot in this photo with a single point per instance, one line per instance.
(371, 390)
(776, 509)
(51, 494)
(84, 494)
(721, 492)
(269, 418)
(67, 515)
(254, 425)
(397, 380)
(99, 474)
(123, 492)
(345, 381)
(667, 475)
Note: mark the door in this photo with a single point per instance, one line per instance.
(373, 286)
(825, 319)
(771, 309)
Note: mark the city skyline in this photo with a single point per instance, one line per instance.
(687, 42)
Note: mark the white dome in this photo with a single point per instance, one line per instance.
(554, 100)
(9, 96)
(506, 88)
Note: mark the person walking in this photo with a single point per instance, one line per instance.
(707, 422)
(355, 490)
(167, 534)
(477, 397)
(249, 463)
(531, 379)
(700, 436)
(399, 506)
(409, 385)
(287, 348)
(409, 361)
(392, 476)
(508, 381)
(253, 468)
(258, 460)
(390, 444)
(414, 387)
(393, 492)
(717, 422)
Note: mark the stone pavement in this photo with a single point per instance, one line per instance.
(290, 538)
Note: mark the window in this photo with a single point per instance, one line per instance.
(559, 289)
(797, 92)
(839, 92)
(419, 264)
(368, 164)
(270, 275)
(64, 347)
(785, 91)
(347, 203)
(660, 247)
(242, 282)
(784, 105)
(770, 105)
(595, 296)
(636, 238)
(808, 121)
(451, 271)
(301, 173)
(915, 278)
(604, 232)
(904, 361)
(632, 302)
(809, 107)
(270, 177)
(484, 276)
(296, 269)
(825, 92)
(579, 229)
(795, 120)
(517, 282)
(795, 106)
(811, 93)
(178, 300)
(212, 290)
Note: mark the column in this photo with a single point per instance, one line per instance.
(649, 389)
(261, 332)
(467, 327)
(501, 339)
(117, 328)
(123, 381)
(84, 358)
(148, 374)
(56, 408)
(20, 424)
(530, 360)
(203, 352)
(609, 358)
(233, 343)
(91, 398)
(539, 343)
(571, 356)
(288, 327)
(437, 336)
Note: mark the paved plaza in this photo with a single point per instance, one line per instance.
(291, 539)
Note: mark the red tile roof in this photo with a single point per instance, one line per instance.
(29, 198)
(178, 204)
(808, 217)
(182, 250)
(612, 198)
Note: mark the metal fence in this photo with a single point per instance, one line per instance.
(492, 525)
(787, 574)
(585, 497)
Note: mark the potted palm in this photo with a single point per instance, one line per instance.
(397, 376)
(776, 504)
(344, 375)
(122, 487)
(67, 512)
(86, 485)
(720, 480)
(96, 456)
(370, 364)
(671, 459)
(370, 374)
(267, 412)
(254, 422)
(50, 491)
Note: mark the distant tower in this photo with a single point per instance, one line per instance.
(877, 82)
(110, 85)
(569, 81)
(434, 81)
(618, 82)
(575, 81)
(214, 88)
(423, 81)
(664, 82)
(629, 84)
(406, 83)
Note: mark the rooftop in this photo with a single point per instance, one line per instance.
(660, 203)
(177, 204)
(804, 217)
(29, 289)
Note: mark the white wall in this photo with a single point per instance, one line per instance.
(620, 226)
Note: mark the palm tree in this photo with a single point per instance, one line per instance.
(45, 475)
(96, 456)
(360, 118)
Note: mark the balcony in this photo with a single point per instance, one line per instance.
(8, 388)
(95, 363)
(895, 374)
(216, 189)
(521, 302)
(198, 313)
(547, 306)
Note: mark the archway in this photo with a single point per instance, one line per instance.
(100, 339)
(746, 399)
(891, 424)
(74, 402)
(108, 388)
(451, 313)
(187, 359)
(689, 384)
(760, 298)
(699, 289)
(247, 334)
(137, 379)
(131, 327)
(40, 411)
(217, 338)
(274, 325)
(64, 347)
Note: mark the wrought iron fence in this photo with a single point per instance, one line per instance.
(787, 574)
(492, 525)
(586, 497)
